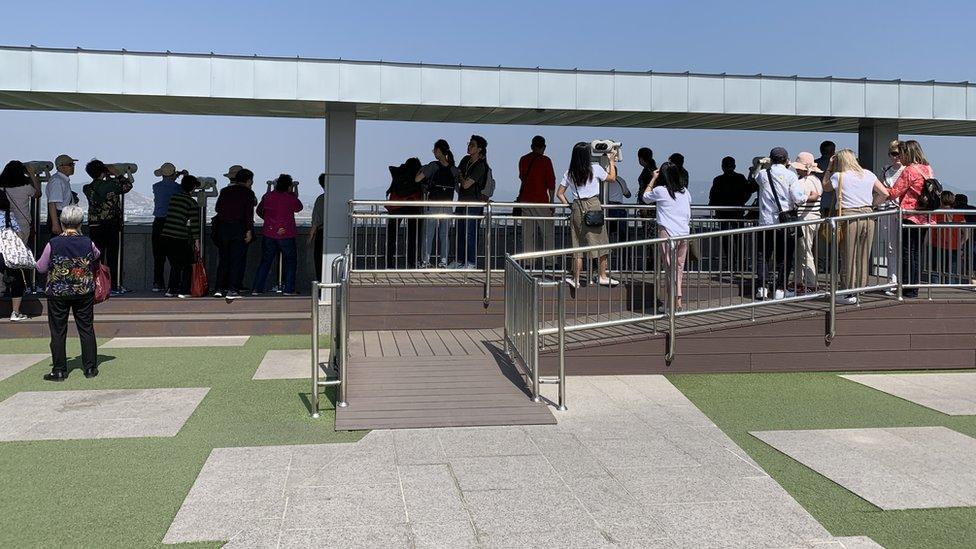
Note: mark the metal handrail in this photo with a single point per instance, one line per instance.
(339, 331)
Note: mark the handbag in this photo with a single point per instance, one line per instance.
(784, 216)
(198, 280)
(593, 218)
(12, 248)
(103, 282)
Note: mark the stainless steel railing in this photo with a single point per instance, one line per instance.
(941, 254)
(771, 268)
(338, 330)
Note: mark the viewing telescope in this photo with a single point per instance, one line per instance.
(601, 147)
(42, 168)
(121, 168)
(207, 184)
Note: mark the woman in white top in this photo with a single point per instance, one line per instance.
(855, 189)
(889, 224)
(809, 181)
(19, 182)
(585, 176)
(669, 193)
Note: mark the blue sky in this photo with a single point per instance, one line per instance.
(894, 39)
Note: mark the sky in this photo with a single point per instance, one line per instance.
(890, 40)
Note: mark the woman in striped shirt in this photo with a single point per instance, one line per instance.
(180, 237)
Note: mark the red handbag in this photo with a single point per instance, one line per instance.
(395, 197)
(198, 281)
(103, 283)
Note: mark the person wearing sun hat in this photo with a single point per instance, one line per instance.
(808, 172)
(163, 191)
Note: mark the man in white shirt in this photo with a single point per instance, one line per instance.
(59, 192)
(779, 192)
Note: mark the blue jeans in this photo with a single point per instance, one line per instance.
(467, 236)
(270, 248)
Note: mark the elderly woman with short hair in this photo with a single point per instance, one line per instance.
(69, 261)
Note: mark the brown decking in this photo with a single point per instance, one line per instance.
(424, 343)
(403, 392)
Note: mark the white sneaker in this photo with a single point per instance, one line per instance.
(218, 293)
(167, 294)
(608, 282)
(779, 294)
(17, 317)
(762, 293)
(571, 282)
(846, 300)
(182, 296)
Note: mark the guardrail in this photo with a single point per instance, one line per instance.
(472, 239)
(770, 266)
(339, 332)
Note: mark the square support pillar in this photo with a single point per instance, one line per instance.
(340, 167)
(873, 138)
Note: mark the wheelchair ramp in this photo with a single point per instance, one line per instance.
(461, 390)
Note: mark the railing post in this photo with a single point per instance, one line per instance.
(900, 278)
(561, 291)
(834, 267)
(315, 349)
(343, 315)
(488, 252)
(534, 324)
(672, 301)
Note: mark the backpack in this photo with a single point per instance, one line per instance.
(488, 189)
(931, 196)
(442, 181)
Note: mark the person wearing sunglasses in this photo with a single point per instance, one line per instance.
(889, 175)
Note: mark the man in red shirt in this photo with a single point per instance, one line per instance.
(538, 186)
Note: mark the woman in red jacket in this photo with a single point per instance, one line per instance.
(278, 208)
(906, 191)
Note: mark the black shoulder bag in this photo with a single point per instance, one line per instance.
(787, 216)
(593, 218)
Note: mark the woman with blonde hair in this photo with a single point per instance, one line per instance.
(907, 190)
(855, 189)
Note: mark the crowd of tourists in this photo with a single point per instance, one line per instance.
(799, 188)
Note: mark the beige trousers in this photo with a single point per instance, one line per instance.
(856, 247)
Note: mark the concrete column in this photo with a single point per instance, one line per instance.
(340, 167)
(873, 137)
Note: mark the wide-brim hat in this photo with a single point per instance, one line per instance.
(232, 171)
(166, 170)
(805, 161)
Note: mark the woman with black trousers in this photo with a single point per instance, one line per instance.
(180, 237)
(69, 261)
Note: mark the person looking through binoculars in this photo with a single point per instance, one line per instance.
(105, 219)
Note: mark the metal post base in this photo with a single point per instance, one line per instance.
(342, 404)
(537, 399)
(562, 408)
(315, 415)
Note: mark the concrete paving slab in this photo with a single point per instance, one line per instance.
(14, 364)
(610, 476)
(115, 413)
(893, 468)
(181, 341)
(288, 364)
(953, 394)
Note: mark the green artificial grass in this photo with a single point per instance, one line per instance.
(125, 492)
(740, 403)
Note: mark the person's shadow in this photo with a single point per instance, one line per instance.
(77, 364)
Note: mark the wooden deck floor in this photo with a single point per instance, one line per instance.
(404, 392)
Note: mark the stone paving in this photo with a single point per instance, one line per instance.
(179, 341)
(288, 364)
(893, 468)
(71, 415)
(14, 364)
(952, 394)
(632, 464)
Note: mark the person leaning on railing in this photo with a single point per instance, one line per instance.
(810, 183)
(105, 216)
(586, 177)
(907, 190)
(538, 184)
(855, 188)
(278, 208)
(474, 178)
(673, 200)
(440, 180)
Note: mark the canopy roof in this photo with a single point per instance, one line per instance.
(176, 83)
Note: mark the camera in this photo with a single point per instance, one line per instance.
(601, 147)
(760, 163)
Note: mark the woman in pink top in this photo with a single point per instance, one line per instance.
(906, 191)
(278, 208)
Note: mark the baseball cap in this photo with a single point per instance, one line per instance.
(232, 171)
(778, 154)
(64, 160)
